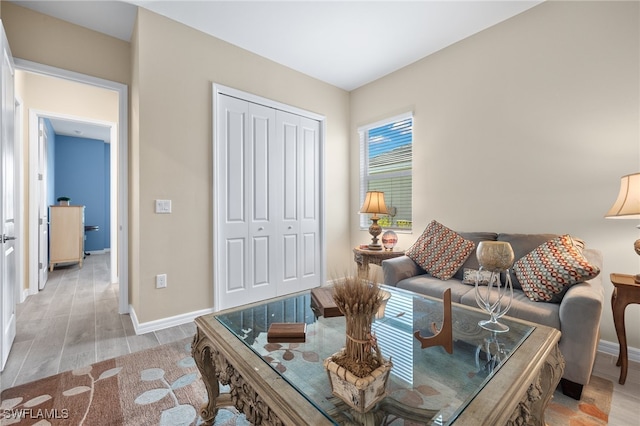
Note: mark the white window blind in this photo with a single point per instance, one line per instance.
(386, 165)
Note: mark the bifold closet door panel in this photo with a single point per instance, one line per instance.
(299, 249)
(263, 173)
(246, 244)
(310, 203)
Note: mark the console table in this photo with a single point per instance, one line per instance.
(625, 291)
(286, 384)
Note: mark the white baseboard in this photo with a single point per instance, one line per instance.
(24, 294)
(611, 348)
(103, 251)
(161, 324)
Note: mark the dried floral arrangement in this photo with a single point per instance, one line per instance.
(358, 300)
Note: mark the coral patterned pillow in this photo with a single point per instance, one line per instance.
(551, 268)
(440, 251)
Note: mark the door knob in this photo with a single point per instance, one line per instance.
(5, 238)
(261, 229)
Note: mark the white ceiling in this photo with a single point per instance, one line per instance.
(344, 43)
(80, 129)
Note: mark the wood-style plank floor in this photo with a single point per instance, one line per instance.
(74, 322)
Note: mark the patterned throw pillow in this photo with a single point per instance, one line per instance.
(440, 251)
(551, 268)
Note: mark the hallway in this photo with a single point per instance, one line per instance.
(74, 322)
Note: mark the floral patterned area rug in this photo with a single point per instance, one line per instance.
(162, 386)
(592, 409)
(159, 386)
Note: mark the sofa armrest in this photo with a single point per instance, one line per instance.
(580, 313)
(399, 268)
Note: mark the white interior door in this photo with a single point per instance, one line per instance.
(43, 208)
(8, 187)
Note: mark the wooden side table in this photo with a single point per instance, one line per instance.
(626, 291)
(363, 257)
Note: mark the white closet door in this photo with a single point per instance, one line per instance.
(247, 162)
(299, 245)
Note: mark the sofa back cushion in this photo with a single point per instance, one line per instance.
(472, 260)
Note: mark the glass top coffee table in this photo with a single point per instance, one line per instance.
(488, 378)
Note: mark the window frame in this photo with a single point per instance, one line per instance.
(365, 177)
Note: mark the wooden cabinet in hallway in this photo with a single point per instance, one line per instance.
(66, 235)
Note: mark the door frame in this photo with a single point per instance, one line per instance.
(40, 157)
(219, 90)
(119, 191)
(21, 292)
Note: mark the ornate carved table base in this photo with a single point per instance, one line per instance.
(533, 388)
(215, 371)
(530, 410)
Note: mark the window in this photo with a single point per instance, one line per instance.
(385, 165)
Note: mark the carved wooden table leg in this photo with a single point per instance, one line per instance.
(625, 292)
(201, 352)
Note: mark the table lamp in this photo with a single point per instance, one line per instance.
(374, 203)
(627, 205)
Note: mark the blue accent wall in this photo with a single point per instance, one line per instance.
(82, 174)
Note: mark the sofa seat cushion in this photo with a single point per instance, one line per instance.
(435, 287)
(522, 308)
(440, 251)
(551, 268)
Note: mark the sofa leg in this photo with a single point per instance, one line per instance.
(571, 389)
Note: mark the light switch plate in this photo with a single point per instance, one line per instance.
(163, 206)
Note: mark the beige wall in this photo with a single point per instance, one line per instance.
(172, 156)
(68, 98)
(525, 127)
(47, 40)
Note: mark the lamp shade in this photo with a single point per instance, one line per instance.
(627, 205)
(374, 203)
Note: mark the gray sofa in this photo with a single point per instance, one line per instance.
(577, 315)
